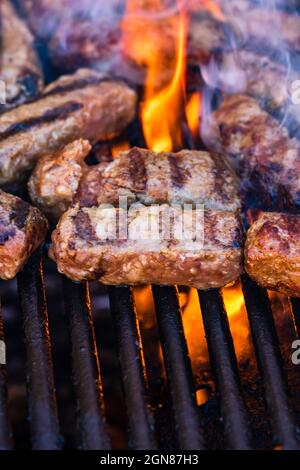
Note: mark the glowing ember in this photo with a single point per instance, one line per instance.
(161, 50)
(120, 147)
(193, 113)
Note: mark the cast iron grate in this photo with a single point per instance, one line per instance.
(43, 421)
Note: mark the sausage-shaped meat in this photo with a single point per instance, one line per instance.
(92, 244)
(20, 69)
(85, 105)
(140, 175)
(272, 252)
(55, 179)
(258, 75)
(22, 230)
(261, 151)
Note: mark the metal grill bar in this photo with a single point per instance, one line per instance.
(42, 401)
(133, 371)
(5, 429)
(270, 363)
(225, 369)
(295, 303)
(178, 367)
(85, 367)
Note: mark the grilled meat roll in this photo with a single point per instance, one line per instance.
(22, 230)
(90, 244)
(45, 16)
(55, 179)
(270, 82)
(20, 69)
(85, 105)
(265, 157)
(272, 252)
(244, 71)
(261, 26)
(140, 175)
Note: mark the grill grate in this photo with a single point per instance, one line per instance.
(224, 365)
(189, 431)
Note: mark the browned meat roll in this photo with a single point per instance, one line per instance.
(20, 69)
(272, 252)
(22, 230)
(265, 157)
(91, 244)
(83, 105)
(140, 175)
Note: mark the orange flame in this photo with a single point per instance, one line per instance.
(209, 5)
(119, 147)
(193, 113)
(159, 44)
(194, 329)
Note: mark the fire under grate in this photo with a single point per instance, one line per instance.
(142, 424)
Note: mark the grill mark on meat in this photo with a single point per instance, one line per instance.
(75, 85)
(218, 171)
(19, 214)
(6, 233)
(178, 174)
(29, 83)
(83, 227)
(55, 114)
(137, 168)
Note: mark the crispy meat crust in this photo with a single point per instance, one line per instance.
(83, 252)
(138, 174)
(83, 105)
(243, 71)
(19, 65)
(56, 178)
(262, 25)
(265, 157)
(188, 176)
(75, 43)
(272, 252)
(22, 230)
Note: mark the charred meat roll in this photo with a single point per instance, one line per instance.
(265, 157)
(45, 16)
(244, 71)
(20, 69)
(261, 26)
(84, 105)
(140, 175)
(92, 244)
(272, 252)
(55, 179)
(267, 80)
(22, 230)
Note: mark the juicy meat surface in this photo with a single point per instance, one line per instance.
(140, 175)
(45, 16)
(267, 80)
(84, 105)
(188, 176)
(243, 71)
(260, 149)
(272, 252)
(56, 178)
(91, 244)
(262, 25)
(22, 230)
(206, 34)
(20, 69)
